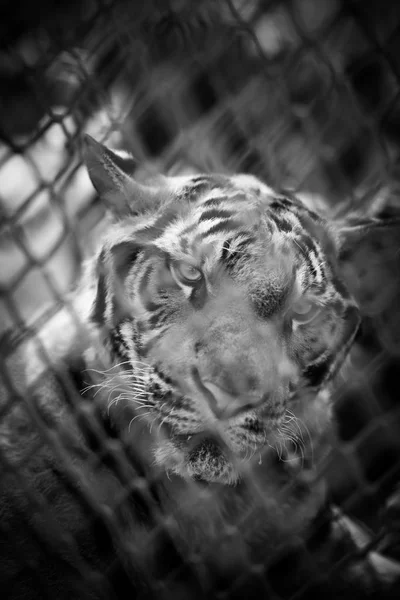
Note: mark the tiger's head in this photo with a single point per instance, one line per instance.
(223, 302)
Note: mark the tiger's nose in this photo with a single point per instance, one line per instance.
(226, 405)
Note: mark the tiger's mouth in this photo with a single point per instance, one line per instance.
(193, 444)
(214, 443)
(207, 456)
(210, 448)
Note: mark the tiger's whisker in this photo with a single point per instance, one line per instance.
(137, 417)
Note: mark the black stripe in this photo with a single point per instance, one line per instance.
(99, 307)
(316, 373)
(215, 213)
(198, 296)
(213, 202)
(201, 179)
(143, 292)
(281, 223)
(192, 192)
(298, 243)
(158, 318)
(124, 256)
(227, 225)
(158, 227)
(284, 225)
(189, 229)
(277, 205)
(118, 345)
(218, 200)
(214, 179)
(152, 306)
(230, 257)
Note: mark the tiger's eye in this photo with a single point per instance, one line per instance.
(186, 272)
(304, 311)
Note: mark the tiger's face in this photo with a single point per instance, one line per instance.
(222, 301)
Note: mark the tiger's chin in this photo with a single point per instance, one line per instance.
(205, 460)
(212, 456)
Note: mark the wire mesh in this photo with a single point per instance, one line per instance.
(305, 95)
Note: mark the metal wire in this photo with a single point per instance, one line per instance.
(305, 94)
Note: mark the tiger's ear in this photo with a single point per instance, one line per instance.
(369, 260)
(112, 177)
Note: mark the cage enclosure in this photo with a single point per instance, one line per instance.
(302, 94)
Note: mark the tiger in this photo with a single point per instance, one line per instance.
(230, 308)
(216, 319)
(228, 305)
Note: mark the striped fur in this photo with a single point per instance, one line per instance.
(220, 364)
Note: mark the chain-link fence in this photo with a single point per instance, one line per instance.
(303, 93)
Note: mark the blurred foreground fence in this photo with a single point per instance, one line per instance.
(303, 93)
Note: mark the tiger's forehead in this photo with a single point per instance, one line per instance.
(206, 214)
(205, 210)
(201, 227)
(208, 210)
